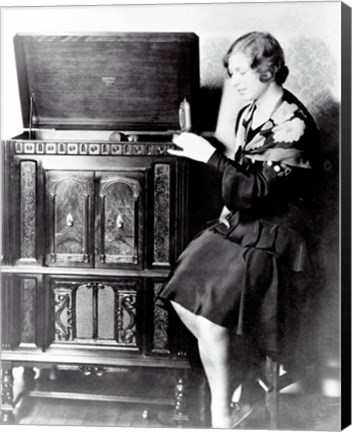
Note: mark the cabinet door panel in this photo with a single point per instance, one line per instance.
(95, 312)
(119, 235)
(106, 310)
(69, 217)
(84, 312)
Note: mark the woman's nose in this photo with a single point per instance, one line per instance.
(235, 80)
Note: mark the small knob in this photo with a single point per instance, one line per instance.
(69, 220)
(132, 138)
(119, 221)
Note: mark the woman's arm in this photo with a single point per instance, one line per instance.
(243, 186)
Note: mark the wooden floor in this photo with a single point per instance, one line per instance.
(297, 412)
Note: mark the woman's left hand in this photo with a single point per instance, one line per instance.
(193, 147)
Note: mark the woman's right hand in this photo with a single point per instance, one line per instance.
(193, 147)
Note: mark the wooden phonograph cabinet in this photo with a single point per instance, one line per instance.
(95, 213)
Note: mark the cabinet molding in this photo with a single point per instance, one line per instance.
(92, 149)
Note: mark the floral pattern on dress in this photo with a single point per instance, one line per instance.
(284, 113)
(267, 126)
(256, 142)
(289, 131)
(284, 137)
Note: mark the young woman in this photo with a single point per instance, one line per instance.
(239, 275)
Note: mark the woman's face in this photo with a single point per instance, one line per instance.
(245, 80)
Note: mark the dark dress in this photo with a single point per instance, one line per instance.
(252, 277)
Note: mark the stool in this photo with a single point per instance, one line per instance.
(272, 382)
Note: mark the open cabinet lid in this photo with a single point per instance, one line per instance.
(125, 81)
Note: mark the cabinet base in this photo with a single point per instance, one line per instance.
(152, 392)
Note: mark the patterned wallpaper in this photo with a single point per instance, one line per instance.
(314, 73)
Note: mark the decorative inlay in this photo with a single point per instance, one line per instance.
(161, 323)
(105, 149)
(50, 148)
(116, 149)
(18, 147)
(7, 388)
(29, 147)
(28, 298)
(93, 370)
(72, 148)
(161, 214)
(180, 415)
(63, 314)
(126, 317)
(62, 148)
(28, 171)
(93, 149)
(40, 148)
(83, 149)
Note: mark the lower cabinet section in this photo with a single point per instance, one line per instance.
(95, 329)
(96, 311)
(117, 314)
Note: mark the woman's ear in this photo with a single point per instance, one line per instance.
(266, 76)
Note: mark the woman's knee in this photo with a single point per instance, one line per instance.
(209, 331)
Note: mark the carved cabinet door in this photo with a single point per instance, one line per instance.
(69, 218)
(119, 219)
(95, 312)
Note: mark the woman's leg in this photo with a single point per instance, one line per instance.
(214, 350)
(188, 318)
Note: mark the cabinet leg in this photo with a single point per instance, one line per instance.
(204, 403)
(272, 395)
(180, 416)
(7, 408)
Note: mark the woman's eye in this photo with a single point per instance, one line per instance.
(237, 72)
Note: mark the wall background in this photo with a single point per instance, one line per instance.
(309, 33)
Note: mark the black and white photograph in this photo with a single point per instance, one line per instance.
(172, 215)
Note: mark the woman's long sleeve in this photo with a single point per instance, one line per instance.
(243, 186)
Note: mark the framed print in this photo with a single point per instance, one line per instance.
(176, 184)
